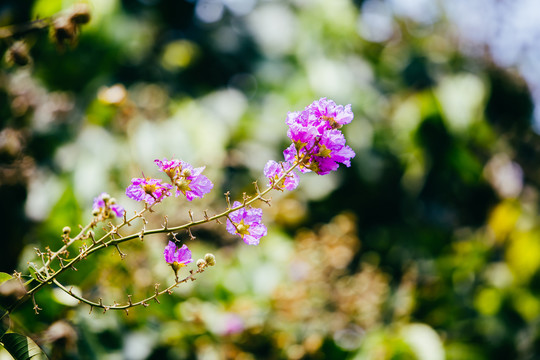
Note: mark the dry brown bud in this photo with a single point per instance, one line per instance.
(63, 30)
(80, 14)
(18, 54)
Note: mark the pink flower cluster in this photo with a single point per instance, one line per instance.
(317, 142)
(317, 145)
(187, 180)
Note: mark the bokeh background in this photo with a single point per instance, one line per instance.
(427, 247)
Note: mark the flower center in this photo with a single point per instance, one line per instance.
(177, 266)
(183, 185)
(242, 228)
(332, 121)
(324, 151)
(149, 188)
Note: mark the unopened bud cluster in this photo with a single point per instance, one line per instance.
(209, 260)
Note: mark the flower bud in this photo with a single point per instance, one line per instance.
(201, 263)
(210, 259)
(95, 212)
(66, 230)
(112, 201)
(186, 173)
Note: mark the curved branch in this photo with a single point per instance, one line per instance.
(130, 303)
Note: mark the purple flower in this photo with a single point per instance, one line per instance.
(181, 256)
(318, 145)
(187, 180)
(273, 171)
(331, 150)
(148, 190)
(247, 223)
(106, 206)
(327, 110)
(169, 167)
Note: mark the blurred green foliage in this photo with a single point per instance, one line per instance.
(426, 248)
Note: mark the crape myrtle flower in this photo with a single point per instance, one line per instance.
(177, 257)
(148, 190)
(106, 206)
(335, 115)
(247, 223)
(274, 170)
(187, 180)
(318, 143)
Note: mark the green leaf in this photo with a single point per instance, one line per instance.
(4, 323)
(5, 277)
(22, 347)
(33, 271)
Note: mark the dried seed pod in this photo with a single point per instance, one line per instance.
(63, 30)
(18, 54)
(80, 14)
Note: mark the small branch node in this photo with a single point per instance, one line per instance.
(166, 223)
(36, 307)
(122, 255)
(228, 199)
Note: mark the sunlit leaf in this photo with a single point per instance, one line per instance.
(44, 8)
(4, 277)
(22, 347)
(33, 271)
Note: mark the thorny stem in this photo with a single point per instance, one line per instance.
(101, 243)
(130, 303)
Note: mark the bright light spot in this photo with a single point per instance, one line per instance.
(424, 341)
(274, 28)
(240, 7)
(178, 54)
(375, 22)
(209, 11)
(461, 98)
(421, 11)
